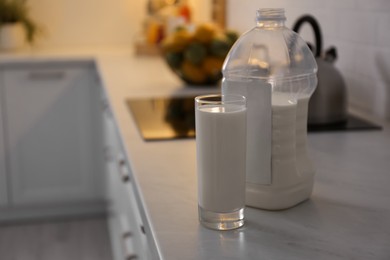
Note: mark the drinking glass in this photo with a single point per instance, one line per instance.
(221, 160)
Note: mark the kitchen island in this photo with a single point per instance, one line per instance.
(347, 216)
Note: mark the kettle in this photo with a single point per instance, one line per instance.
(328, 104)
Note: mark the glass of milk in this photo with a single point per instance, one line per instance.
(221, 160)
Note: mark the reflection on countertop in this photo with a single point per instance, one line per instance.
(174, 118)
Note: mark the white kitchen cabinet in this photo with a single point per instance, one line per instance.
(127, 231)
(3, 180)
(52, 131)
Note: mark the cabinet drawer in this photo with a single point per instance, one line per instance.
(129, 229)
(3, 180)
(52, 134)
(123, 207)
(137, 226)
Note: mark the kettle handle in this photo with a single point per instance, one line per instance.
(316, 28)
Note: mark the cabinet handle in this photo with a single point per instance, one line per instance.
(105, 107)
(142, 229)
(46, 75)
(126, 237)
(127, 243)
(123, 170)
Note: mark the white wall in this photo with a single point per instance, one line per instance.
(201, 10)
(360, 30)
(74, 23)
(88, 22)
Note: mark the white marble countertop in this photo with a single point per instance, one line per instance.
(347, 216)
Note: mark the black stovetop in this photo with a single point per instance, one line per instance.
(165, 118)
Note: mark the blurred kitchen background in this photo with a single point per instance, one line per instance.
(358, 28)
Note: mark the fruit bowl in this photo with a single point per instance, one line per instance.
(197, 56)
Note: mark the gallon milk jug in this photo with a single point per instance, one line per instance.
(275, 70)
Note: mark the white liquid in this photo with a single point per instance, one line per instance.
(289, 148)
(292, 172)
(221, 161)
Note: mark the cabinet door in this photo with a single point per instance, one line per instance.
(127, 234)
(51, 133)
(3, 180)
(111, 186)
